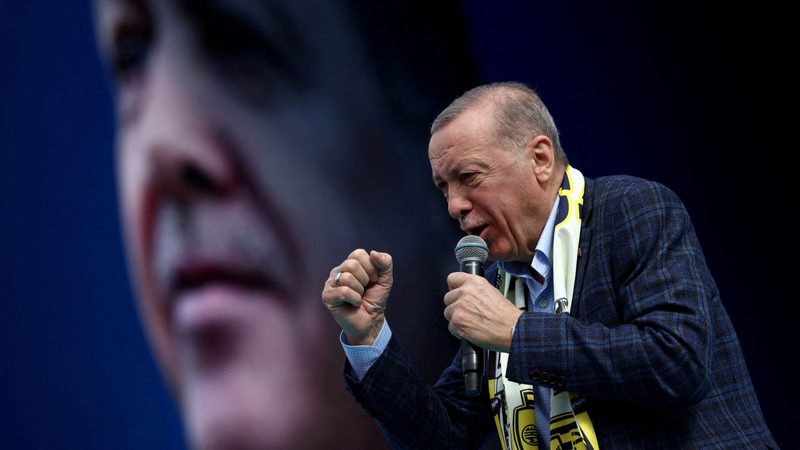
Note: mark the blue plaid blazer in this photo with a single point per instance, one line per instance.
(648, 344)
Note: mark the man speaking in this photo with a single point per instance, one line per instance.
(602, 325)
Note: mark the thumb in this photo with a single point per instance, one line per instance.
(383, 262)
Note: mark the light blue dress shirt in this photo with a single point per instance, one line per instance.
(362, 357)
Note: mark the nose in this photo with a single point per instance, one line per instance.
(184, 139)
(458, 205)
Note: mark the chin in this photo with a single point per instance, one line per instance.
(245, 409)
(247, 380)
(499, 251)
(230, 426)
(497, 254)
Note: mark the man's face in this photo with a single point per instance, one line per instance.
(233, 141)
(491, 191)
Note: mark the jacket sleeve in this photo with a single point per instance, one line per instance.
(648, 341)
(415, 415)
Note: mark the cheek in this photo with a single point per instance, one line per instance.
(496, 210)
(134, 190)
(132, 185)
(504, 236)
(302, 170)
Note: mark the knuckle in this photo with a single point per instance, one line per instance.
(340, 293)
(357, 252)
(345, 297)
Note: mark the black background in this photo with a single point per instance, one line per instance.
(695, 95)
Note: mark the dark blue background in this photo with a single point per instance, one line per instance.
(686, 93)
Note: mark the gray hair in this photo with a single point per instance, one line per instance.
(519, 115)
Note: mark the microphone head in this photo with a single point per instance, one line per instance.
(470, 248)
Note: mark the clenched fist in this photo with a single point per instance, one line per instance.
(356, 293)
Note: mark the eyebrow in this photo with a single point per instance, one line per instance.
(460, 166)
(269, 22)
(269, 17)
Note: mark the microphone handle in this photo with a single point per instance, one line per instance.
(472, 356)
(472, 365)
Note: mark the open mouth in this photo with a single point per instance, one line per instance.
(476, 231)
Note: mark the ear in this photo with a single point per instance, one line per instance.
(542, 157)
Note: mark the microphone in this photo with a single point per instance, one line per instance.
(471, 254)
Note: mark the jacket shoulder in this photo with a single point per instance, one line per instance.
(617, 190)
(617, 185)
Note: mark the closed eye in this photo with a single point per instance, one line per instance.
(130, 51)
(131, 39)
(467, 177)
(442, 186)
